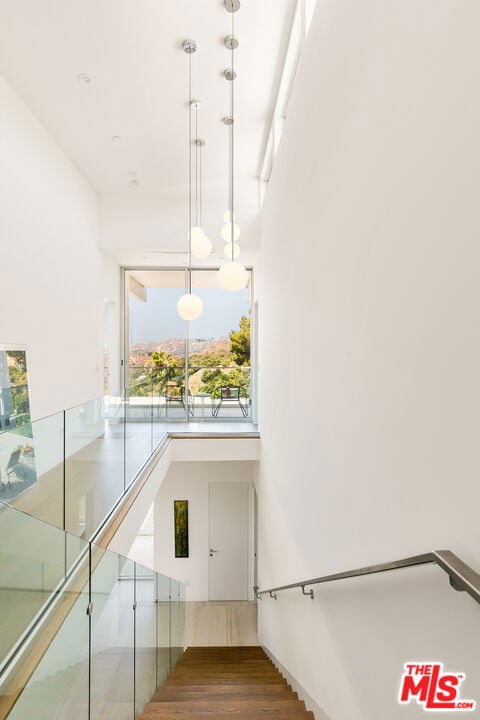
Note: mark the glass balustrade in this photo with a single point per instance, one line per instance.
(70, 469)
(84, 632)
(203, 400)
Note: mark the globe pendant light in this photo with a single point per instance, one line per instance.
(190, 306)
(232, 275)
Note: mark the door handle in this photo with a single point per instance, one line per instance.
(212, 551)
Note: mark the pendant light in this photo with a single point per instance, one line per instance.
(201, 244)
(189, 306)
(232, 275)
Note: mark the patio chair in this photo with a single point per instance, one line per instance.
(175, 396)
(229, 394)
(15, 471)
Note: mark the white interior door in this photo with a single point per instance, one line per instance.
(228, 541)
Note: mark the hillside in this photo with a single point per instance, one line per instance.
(176, 347)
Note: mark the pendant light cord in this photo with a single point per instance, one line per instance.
(189, 275)
(196, 164)
(200, 151)
(232, 151)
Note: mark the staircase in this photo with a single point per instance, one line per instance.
(225, 681)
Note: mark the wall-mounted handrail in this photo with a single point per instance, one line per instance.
(462, 576)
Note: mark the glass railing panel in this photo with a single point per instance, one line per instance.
(34, 560)
(177, 621)
(94, 465)
(145, 636)
(113, 634)
(163, 628)
(138, 428)
(204, 393)
(181, 599)
(171, 390)
(220, 393)
(59, 685)
(159, 408)
(31, 468)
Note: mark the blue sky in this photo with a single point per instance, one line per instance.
(157, 319)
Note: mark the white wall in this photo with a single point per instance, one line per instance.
(190, 481)
(371, 261)
(53, 279)
(194, 452)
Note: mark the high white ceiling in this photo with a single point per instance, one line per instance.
(131, 49)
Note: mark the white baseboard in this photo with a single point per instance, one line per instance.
(302, 693)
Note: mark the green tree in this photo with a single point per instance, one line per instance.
(215, 378)
(163, 368)
(240, 342)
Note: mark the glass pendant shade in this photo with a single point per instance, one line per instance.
(190, 307)
(232, 276)
(196, 233)
(227, 232)
(227, 250)
(201, 247)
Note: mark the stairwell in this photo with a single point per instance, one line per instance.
(225, 681)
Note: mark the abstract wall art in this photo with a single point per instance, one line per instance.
(180, 511)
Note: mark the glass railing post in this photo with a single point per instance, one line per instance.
(134, 639)
(170, 624)
(89, 613)
(151, 418)
(125, 396)
(64, 466)
(157, 650)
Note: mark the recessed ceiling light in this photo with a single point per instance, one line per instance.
(84, 78)
(116, 138)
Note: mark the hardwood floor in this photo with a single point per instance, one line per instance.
(225, 681)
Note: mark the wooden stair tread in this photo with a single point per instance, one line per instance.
(225, 687)
(218, 693)
(230, 706)
(215, 697)
(300, 715)
(224, 681)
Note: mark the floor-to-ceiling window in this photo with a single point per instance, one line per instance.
(199, 370)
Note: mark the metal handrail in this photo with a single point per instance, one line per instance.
(462, 577)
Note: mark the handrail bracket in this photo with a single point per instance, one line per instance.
(310, 593)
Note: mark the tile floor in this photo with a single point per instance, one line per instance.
(220, 623)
